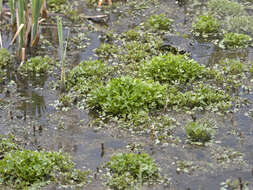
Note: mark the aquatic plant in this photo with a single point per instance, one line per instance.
(199, 131)
(55, 3)
(160, 22)
(126, 95)
(86, 76)
(7, 144)
(234, 40)
(172, 68)
(27, 24)
(232, 66)
(222, 8)
(128, 170)
(203, 97)
(206, 25)
(37, 64)
(23, 168)
(132, 35)
(5, 57)
(106, 50)
(62, 52)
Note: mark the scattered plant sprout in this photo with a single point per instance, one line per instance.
(206, 25)
(126, 95)
(235, 40)
(21, 169)
(128, 170)
(199, 131)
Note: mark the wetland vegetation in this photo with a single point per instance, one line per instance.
(140, 94)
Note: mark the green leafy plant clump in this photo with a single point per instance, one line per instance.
(5, 57)
(55, 3)
(7, 144)
(37, 64)
(199, 131)
(206, 25)
(235, 40)
(128, 170)
(87, 75)
(25, 168)
(126, 95)
(172, 68)
(160, 22)
(202, 97)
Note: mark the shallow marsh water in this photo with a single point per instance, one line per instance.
(30, 114)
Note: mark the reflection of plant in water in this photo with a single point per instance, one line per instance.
(36, 104)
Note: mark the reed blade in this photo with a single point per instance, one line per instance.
(21, 20)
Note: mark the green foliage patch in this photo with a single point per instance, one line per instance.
(5, 57)
(37, 64)
(234, 40)
(86, 76)
(128, 170)
(7, 144)
(172, 68)
(23, 168)
(126, 95)
(160, 22)
(199, 131)
(206, 25)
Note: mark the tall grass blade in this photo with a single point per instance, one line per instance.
(21, 20)
(12, 5)
(1, 6)
(36, 6)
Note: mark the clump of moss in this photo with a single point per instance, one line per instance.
(126, 95)
(24, 168)
(129, 170)
(172, 68)
(206, 25)
(37, 64)
(86, 76)
(234, 40)
(160, 22)
(199, 131)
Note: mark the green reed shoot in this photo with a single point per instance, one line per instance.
(1, 6)
(62, 52)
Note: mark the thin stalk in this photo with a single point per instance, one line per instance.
(12, 5)
(36, 6)
(1, 6)
(62, 52)
(21, 20)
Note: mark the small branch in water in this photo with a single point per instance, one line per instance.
(102, 149)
